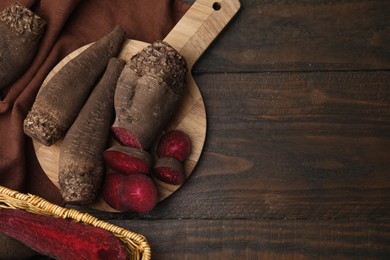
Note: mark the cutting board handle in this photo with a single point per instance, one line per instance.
(200, 25)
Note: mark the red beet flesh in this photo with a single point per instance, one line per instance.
(60, 238)
(130, 162)
(169, 170)
(135, 192)
(175, 144)
(169, 175)
(124, 137)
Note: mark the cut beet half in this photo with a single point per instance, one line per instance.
(169, 170)
(125, 137)
(127, 160)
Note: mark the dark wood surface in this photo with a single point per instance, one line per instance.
(296, 163)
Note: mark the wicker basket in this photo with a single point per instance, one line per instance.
(136, 245)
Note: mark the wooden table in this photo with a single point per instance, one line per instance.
(296, 162)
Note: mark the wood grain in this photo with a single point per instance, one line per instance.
(291, 145)
(265, 239)
(302, 145)
(303, 35)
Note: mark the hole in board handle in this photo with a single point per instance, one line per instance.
(216, 6)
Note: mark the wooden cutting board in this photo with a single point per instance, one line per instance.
(191, 36)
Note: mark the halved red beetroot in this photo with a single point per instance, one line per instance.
(127, 160)
(169, 170)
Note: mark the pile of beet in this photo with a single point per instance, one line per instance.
(129, 186)
(148, 93)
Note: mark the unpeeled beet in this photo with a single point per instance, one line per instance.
(135, 192)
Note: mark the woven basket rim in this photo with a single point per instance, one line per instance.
(136, 244)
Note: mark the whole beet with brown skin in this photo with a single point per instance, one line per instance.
(58, 103)
(20, 34)
(81, 166)
(148, 93)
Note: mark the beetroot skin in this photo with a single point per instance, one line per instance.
(169, 170)
(135, 192)
(124, 137)
(175, 144)
(127, 160)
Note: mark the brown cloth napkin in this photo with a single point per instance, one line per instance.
(70, 25)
